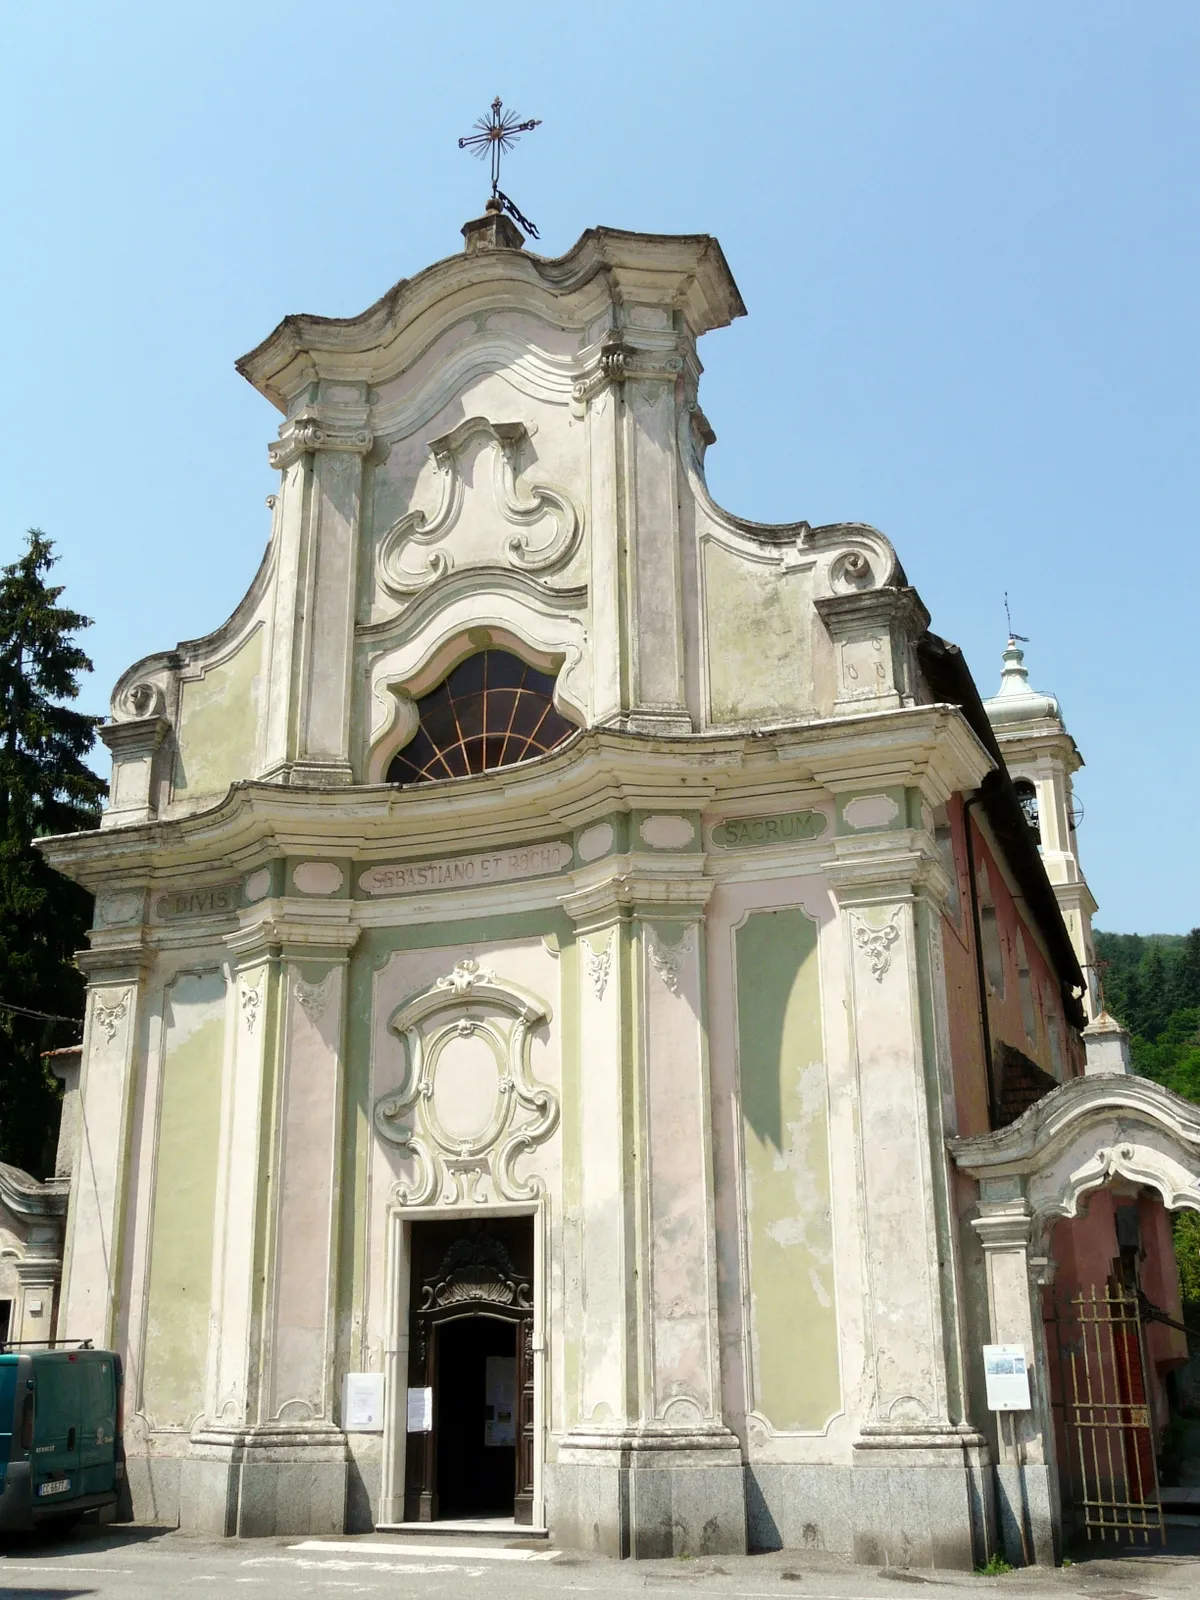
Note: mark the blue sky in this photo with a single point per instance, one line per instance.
(966, 234)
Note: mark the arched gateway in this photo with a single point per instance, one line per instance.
(1085, 1452)
(544, 940)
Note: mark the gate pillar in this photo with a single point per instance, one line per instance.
(1028, 1509)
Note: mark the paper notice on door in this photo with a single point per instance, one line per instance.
(500, 1400)
(420, 1411)
(1006, 1376)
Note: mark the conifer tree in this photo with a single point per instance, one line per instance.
(45, 788)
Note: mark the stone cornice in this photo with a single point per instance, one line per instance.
(602, 771)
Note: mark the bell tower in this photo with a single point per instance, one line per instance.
(1042, 757)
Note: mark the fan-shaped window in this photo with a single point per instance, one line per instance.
(491, 711)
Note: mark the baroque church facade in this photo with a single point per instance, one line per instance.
(580, 1026)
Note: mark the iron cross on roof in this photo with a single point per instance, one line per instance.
(498, 133)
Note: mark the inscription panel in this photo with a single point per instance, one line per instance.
(212, 900)
(467, 872)
(788, 827)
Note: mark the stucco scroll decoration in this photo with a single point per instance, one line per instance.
(598, 963)
(468, 1107)
(415, 552)
(314, 997)
(876, 944)
(668, 959)
(109, 1013)
(465, 976)
(251, 1001)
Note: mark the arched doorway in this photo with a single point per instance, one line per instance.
(1108, 1155)
(471, 1371)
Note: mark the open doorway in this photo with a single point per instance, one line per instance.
(475, 1407)
(471, 1369)
(1114, 1340)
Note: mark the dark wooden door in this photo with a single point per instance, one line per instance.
(481, 1270)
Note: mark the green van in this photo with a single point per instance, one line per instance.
(60, 1435)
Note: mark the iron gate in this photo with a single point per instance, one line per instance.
(1108, 1472)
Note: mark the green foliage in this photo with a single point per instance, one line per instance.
(1186, 1226)
(994, 1567)
(1152, 985)
(45, 788)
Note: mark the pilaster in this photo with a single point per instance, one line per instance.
(133, 791)
(632, 394)
(874, 634)
(271, 1458)
(651, 1443)
(116, 974)
(914, 1429)
(1026, 1473)
(320, 452)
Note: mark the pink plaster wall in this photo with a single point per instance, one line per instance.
(1004, 1009)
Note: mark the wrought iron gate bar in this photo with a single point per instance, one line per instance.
(1104, 1402)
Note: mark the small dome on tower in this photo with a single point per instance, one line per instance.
(1016, 700)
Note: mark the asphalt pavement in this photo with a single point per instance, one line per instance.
(118, 1563)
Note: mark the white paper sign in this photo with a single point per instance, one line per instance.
(362, 1402)
(420, 1411)
(1007, 1377)
(500, 1400)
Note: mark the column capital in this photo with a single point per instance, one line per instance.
(272, 930)
(622, 891)
(138, 736)
(887, 867)
(315, 428)
(125, 960)
(1004, 1226)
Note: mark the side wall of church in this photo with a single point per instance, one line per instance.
(1024, 999)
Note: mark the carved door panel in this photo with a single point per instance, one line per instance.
(420, 1458)
(523, 1499)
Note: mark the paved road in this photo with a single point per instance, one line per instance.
(148, 1564)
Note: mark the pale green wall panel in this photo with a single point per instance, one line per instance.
(185, 1190)
(785, 1125)
(218, 723)
(759, 637)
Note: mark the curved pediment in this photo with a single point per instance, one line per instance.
(1085, 1134)
(690, 268)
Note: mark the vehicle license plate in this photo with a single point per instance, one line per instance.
(55, 1486)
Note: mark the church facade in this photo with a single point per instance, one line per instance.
(566, 963)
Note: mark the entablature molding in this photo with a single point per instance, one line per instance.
(601, 770)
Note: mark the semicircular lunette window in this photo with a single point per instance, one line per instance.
(492, 711)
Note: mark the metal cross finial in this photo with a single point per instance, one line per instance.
(498, 133)
(1008, 615)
